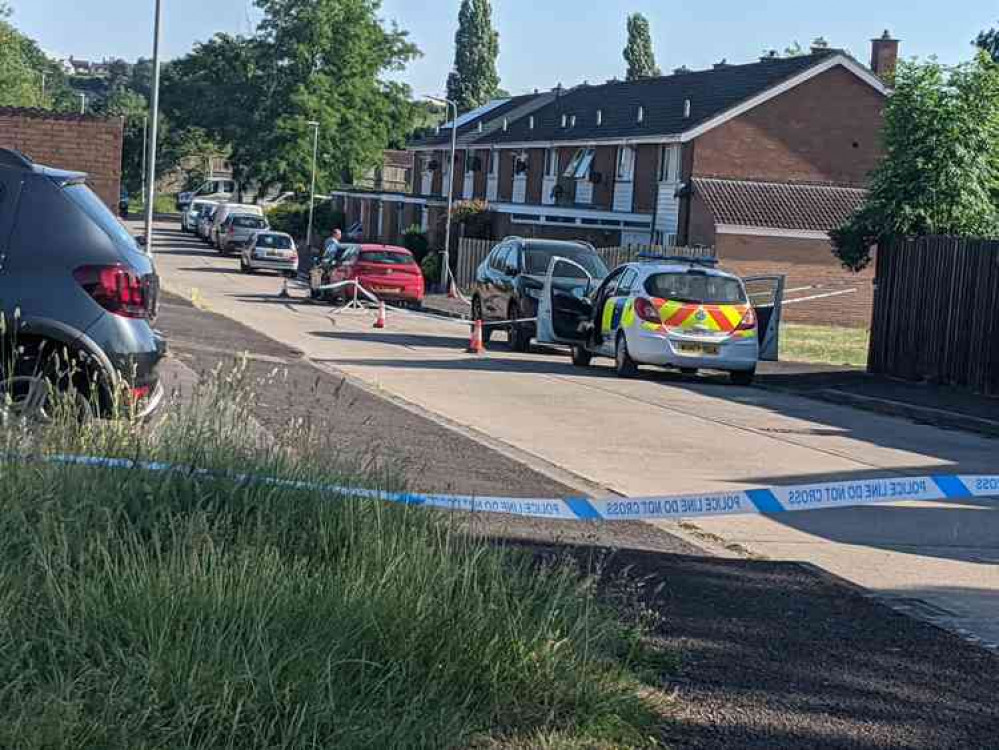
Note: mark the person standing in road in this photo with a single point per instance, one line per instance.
(331, 247)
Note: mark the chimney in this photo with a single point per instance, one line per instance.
(819, 45)
(884, 57)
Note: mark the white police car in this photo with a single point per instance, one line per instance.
(668, 311)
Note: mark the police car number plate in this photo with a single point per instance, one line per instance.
(710, 350)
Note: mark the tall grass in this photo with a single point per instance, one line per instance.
(143, 610)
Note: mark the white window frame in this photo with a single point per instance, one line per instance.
(626, 163)
(468, 161)
(581, 163)
(551, 162)
(494, 162)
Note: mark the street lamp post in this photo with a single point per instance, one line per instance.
(150, 171)
(145, 137)
(312, 190)
(446, 265)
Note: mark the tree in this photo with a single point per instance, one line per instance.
(989, 41)
(474, 80)
(638, 52)
(940, 172)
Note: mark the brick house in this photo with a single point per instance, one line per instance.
(697, 157)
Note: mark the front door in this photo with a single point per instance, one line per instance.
(766, 295)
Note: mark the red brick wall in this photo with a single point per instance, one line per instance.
(605, 162)
(807, 263)
(646, 166)
(827, 129)
(535, 174)
(74, 142)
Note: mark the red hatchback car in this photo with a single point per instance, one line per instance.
(391, 273)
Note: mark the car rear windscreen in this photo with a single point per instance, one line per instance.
(696, 287)
(387, 257)
(274, 241)
(248, 222)
(539, 256)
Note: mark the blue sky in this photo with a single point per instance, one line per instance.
(543, 42)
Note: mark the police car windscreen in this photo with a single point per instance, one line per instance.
(538, 258)
(700, 288)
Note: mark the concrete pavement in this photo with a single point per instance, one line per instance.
(661, 434)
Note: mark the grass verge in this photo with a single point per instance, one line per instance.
(143, 610)
(824, 344)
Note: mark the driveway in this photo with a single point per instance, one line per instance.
(659, 434)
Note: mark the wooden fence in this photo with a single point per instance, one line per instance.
(472, 252)
(936, 312)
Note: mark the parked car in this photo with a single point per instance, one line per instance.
(189, 218)
(217, 189)
(390, 273)
(73, 282)
(674, 312)
(205, 222)
(223, 212)
(123, 203)
(272, 251)
(238, 229)
(509, 281)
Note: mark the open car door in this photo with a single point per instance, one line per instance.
(766, 295)
(564, 317)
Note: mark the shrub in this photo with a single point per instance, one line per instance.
(415, 240)
(293, 218)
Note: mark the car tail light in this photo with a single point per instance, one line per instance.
(748, 321)
(647, 311)
(117, 289)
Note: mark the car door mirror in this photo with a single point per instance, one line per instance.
(512, 271)
(140, 240)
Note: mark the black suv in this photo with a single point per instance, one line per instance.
(77, 293)
(509, 281)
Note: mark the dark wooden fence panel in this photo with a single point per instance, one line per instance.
(936, 312)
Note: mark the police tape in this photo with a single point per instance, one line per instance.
(767, 501)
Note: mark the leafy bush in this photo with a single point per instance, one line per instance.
(431, 267)
(415, 240)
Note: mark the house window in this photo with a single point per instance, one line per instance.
(530, 122)
(641, 113)
(665, 163)
(625, 163)
(493, 163)
(600, 117)
(551, 162)
(572, 121)
(565, 120)
(581, 163)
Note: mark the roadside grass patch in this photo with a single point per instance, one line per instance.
(824, 344)
(163, 610)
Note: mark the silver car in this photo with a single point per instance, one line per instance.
(271, 251)
(189, 219)
(238, 229)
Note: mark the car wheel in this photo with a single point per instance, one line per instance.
(520, 341)
(743, 377)
(487, 331)
(42, 386)
(623, 363)
(581, 357)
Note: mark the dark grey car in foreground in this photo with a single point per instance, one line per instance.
(73, 282)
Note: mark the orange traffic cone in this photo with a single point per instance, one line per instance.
(475, 345)
(380, 320)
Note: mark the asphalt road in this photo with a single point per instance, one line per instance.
(771, 654)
